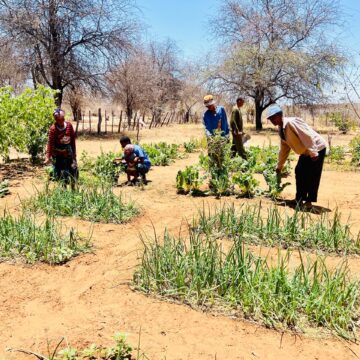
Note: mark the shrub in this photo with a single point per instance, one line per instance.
(341, 121)
(98, 204)
(25, 120)
(27, 239)
(355, 149)
(337, 154)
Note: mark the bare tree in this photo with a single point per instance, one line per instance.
(165, 84)
(68, 42)
(129, 82)
(192, 88)
(12, 72)
(276, 49)
(146, 79)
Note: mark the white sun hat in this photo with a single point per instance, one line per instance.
(273, 110)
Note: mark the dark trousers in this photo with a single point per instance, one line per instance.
(308, 174)
(63, 169)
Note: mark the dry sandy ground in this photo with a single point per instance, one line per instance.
(89, 299)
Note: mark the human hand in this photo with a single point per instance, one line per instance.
(47, 161)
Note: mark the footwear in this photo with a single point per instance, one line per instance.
(307, 205)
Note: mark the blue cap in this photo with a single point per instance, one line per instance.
(273, 109)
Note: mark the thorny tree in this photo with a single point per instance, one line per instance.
(276, 49)
(68, 42)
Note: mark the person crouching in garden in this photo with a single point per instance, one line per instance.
(61, 149)
(135, 161)
(297, 135)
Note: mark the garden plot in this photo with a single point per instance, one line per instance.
(89, 299)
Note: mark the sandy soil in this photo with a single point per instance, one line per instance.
(89, 299)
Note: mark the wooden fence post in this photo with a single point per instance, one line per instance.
(166, 115)
(105, 116)
(120, 120)
(112, 121)
(99, 121)
(152, 119)
(90, 121)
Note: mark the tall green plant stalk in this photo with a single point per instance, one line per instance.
(199, 271)
(32, 240)
(276, 228)
(97, 204)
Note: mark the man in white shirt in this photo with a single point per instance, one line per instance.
(297, 135)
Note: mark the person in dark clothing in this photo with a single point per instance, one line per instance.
(61, 149)
(236, 125)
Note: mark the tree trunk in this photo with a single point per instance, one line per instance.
(258, 112)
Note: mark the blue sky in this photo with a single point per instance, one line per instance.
(186, 22)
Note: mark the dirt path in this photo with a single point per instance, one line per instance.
(89, 299)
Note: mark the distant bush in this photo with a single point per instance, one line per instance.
(341, 121)
(355, 149)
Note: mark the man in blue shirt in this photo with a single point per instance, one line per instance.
(136, 161)
(215, 118)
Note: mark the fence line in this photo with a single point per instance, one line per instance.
(102, 122)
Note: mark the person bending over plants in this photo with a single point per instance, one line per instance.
(135, 161)
(297, 135)
(61, 150)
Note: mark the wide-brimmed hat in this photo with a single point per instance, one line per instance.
(273, 110)
(209, 100)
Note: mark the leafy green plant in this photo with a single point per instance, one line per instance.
(162, 154)
(25, 120)
(121, 350)
(337, 154)
(4, 188)
(274, 183)
(341, 121)
(190, 146)
(97, 203)
(32, 240)
(103, 167)
(188, 180)
(243, 175)
(355, 150)
(198, 271)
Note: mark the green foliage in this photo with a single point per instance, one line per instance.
(225, 172)
(121, 350)
(4, 188)
(337, 154)
(103, 167)
(97, 203)
(274, 228)
(25, 120)
(355, 150)
(162, 154)
(32, 240)
(341, 121)
(188, 180)
(190, 146)
(198, 271)
(218, 164)
(243, 175)
(274, 183)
